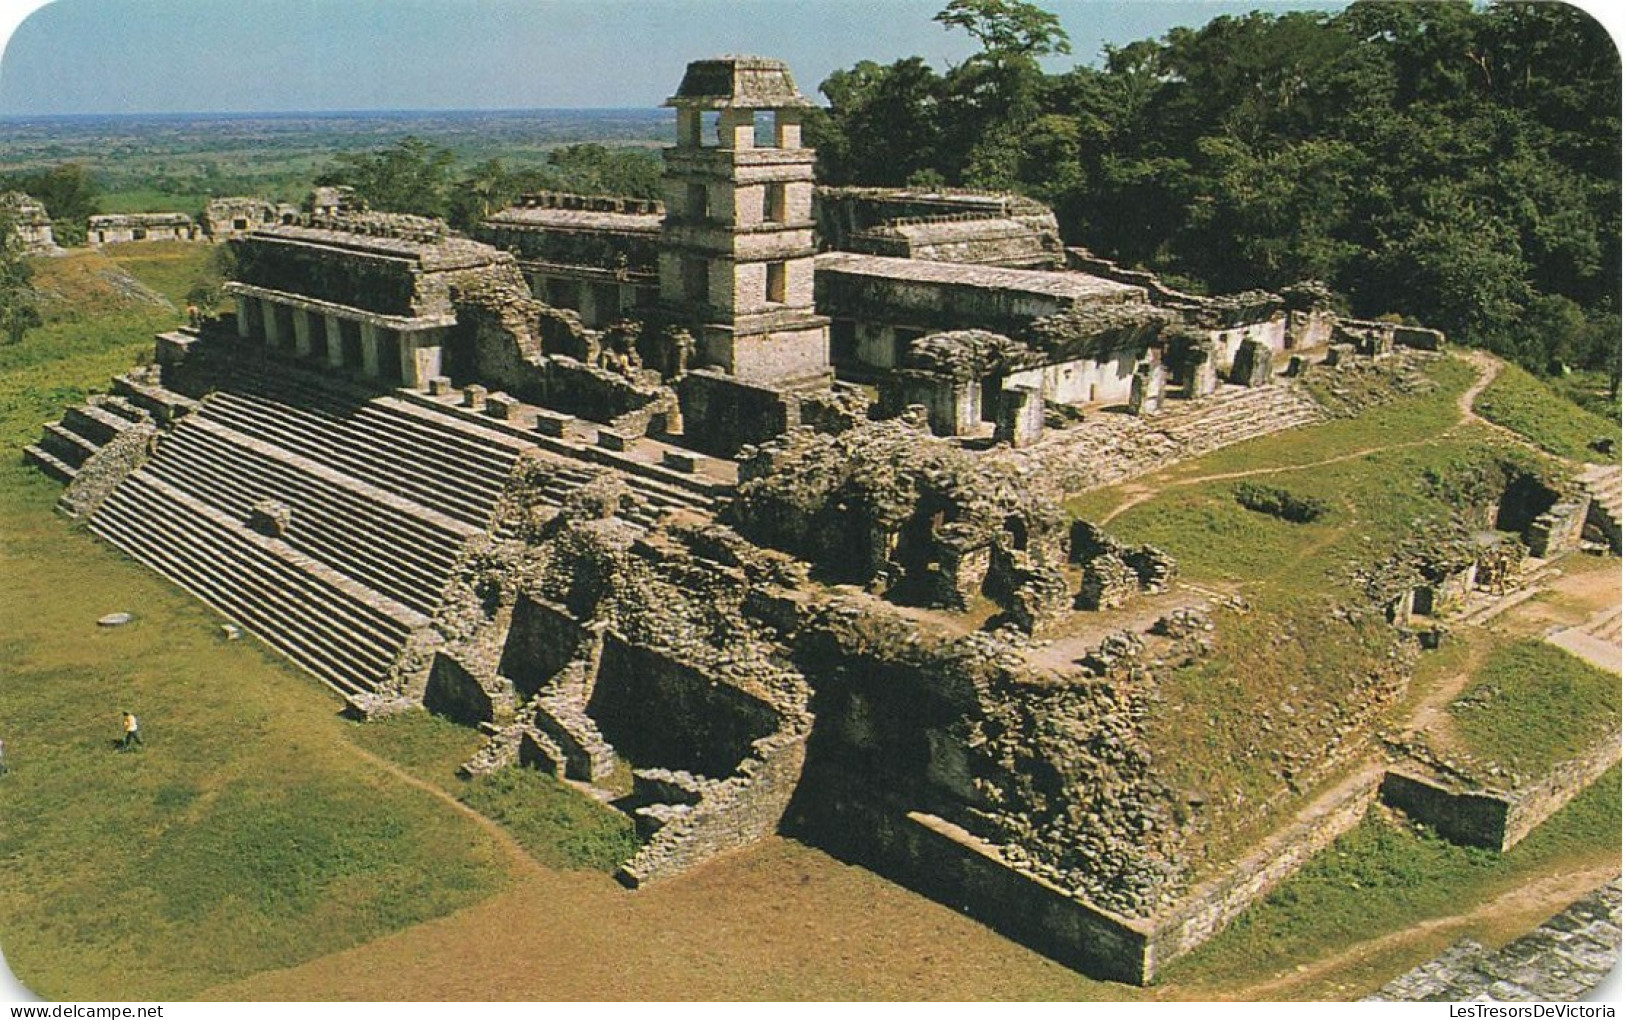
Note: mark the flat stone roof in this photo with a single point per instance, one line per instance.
(1048, 282)
(444, 253)
(938, 231)
(575, 219)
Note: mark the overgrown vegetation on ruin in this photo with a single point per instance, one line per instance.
(1527, 406)
(1532, 705)
(1304, 670)
(1386, 876)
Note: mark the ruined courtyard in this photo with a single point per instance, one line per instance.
(755, 510)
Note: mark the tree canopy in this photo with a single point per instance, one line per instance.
(1453, 164)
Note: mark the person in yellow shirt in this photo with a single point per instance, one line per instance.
(132, 733)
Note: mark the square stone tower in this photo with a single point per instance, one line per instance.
(736, 246)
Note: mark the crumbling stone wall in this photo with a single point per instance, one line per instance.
(657, 710)
(722, 415)
(1054, 771)
(888, 505)
(103, 470)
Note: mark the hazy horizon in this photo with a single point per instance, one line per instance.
(122, 57)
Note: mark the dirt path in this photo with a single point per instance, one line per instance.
(1488, 368)
(1541, 898)
(503, 837)
(1432, 714)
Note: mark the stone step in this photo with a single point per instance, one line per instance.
(347, 535)
(376, 622)
(464, 461)
(412, 449)
(410, 514)
(268, 590)
(120, 405)
(163, 404)
(49, 463)
(476, 440)
(317, 624)
(384, 468)
(68, 446)
(95, 424)
(341, 668)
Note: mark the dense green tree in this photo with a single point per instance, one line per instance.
(19, 306)
(411, 176)
(1449, 163)
(1007, 27)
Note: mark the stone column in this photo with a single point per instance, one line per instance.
(245, 308)
(273, 329)
(588, 309)
(420, 358)
(1021, 416)
(371, 342)
(335, 342)
(301, 332)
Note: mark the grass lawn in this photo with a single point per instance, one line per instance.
(1532, 705)
(1385, 877)
(557, 825)
(1534, 410)
(247, 834)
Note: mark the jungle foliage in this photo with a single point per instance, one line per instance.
(1446, 163)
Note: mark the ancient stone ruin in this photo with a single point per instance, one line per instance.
(31, 223)
(608, 482)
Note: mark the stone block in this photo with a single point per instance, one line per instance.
(1021, 416)
(609, 439)
(551, 423)
(440, 386)
(678, 460)
(502, 407)
(474, 396)
(270, 517)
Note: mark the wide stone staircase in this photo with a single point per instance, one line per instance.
(325, 520)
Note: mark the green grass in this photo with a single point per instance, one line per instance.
(558, 826)
(169, 267)
(1533, 705)
(1380, 878)
(146, 200)
(1284, 674)
(1407, 420)
(1534, 410)
(246, 834)
(243, 836)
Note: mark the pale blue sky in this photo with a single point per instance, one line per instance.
(160, 56)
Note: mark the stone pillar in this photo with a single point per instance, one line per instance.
(1145, 390)
(1021, 416)
(1201, 374)
(335, 342)
(1254, 365)
(245, 310)
(371, 344)
(301, 332)
(273, 330)
(420, 358)
(587, 307)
